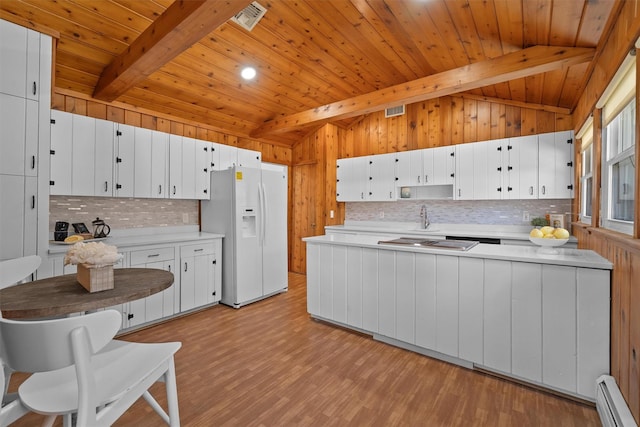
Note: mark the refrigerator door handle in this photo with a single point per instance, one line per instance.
(261, 203)
(265, 207)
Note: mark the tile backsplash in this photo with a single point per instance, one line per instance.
(121, 213)
(501, 212)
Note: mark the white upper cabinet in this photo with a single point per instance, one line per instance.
(249, 158)
(409, 167)
(175, 167)
(124, 150)
(188, 168)
(61, 152)
(498, 168)
(159, 164)
(430, 166)
(352, 176)
(203, 169)
(150, 171)
(14, 132)
(555, 165)
(228, 157)
(103, 160)
(443, 165)
(464, 172)
(382, 177)
(142, 163)
(83, 142)
(20, 51)
(522, 178)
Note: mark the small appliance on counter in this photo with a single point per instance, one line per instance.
(61, 231)
(100, 229)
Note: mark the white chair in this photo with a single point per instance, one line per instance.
(11, 273)
(14, 270)
(74, 373)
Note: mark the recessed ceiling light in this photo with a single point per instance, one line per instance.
(248, 73)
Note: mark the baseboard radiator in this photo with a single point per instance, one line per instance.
(611, 406)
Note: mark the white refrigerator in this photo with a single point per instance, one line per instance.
(249, 206)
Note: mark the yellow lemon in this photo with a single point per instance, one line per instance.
(536, 233)
(547, 230)
(548, 236)
(73, 239)
(561, 233)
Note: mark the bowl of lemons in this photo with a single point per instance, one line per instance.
(549, 238)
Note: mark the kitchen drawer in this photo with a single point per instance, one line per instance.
(152, 255)
(195, 250)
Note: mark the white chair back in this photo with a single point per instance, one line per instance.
(14, 270)
(45, 345)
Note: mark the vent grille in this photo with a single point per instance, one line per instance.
(249, 17)
(394, 111)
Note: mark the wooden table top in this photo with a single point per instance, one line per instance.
(60, 295)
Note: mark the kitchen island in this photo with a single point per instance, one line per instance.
(537, 318)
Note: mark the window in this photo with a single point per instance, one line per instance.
(586, 174)
(619, 165)
(618, 150)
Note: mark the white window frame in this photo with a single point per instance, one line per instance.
(586, 174)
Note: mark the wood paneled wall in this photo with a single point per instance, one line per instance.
(624, 253)
(447, 121)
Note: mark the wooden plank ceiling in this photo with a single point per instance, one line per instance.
(317, 58)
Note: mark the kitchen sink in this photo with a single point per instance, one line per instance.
(456, 245)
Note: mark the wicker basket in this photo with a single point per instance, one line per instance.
(95, 279)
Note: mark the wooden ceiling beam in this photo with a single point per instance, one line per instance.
(515, 65)
(181, 25)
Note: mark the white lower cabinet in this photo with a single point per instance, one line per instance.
(158, 305)
(200, 275)
(542, 323)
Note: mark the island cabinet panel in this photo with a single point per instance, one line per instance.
(526, 320)
(387, 294)
(405, 297)
(355, 296)
(339, 281)
(370, 290)
(543, 323)
(325, 294)
(425, 300)
(471, 291)
(497, 315)
(313, 278)
(559, 327)
(447, 305)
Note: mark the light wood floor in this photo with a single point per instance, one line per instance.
(269, 364)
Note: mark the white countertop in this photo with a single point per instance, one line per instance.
(507, 232)
(143, 237)
(566, 257)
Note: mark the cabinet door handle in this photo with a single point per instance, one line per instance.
(33, 202)
(390, 195)
(33, 162)
(543, 190)
(198, 250)
(426, 179)
(531, 190)
(185, 266)
(130, 316)
(174, 189)
(160, 189)
(153, 255)
(419, 179)
(106, 186)
(34, 88)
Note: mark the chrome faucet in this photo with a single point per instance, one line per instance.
(424, 218)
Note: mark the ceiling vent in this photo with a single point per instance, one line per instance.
(394, 111)
(249, 17)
